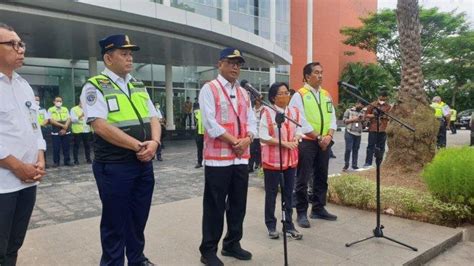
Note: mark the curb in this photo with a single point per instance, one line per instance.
(436, 250)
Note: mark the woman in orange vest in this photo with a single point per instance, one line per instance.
(279, 96)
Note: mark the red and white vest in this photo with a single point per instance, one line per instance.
(271, 153)
(233, 121)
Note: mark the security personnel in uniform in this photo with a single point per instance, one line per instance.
(199, 134)
(452, 125)
(442, 113)
(80, 132)
(315, 105)
(61, 131)
(126, 136)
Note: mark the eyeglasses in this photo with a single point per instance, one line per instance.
(234, 63)
(283, 94)
(16, 45)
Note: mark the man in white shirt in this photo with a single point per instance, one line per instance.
(21, 147)
(316, 106)
(230, 126)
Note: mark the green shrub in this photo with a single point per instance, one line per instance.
(360, 192)
(450, 176)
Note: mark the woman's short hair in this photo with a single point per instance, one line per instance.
(273, 91)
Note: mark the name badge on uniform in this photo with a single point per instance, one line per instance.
(329, 107)
(112, 104)
(33, 115)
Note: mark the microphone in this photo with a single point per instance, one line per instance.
(347, 85)
(248, 87)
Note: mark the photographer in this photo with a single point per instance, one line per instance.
(353, 118)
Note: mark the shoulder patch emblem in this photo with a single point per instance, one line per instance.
(91, 96)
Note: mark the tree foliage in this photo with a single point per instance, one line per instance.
(369, 78)
(446, 46)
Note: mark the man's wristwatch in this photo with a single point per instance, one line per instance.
(319, 138)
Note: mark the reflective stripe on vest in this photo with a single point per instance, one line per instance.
(125, 116)
(271, 153)
(200, 126)
(317, 114)
(438, 109)
(226, 116)
(59, 116)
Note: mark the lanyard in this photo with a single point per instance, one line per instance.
(233, 108)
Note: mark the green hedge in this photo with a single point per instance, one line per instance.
(360, 192)
(450, 176)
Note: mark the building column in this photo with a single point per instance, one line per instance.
(167, 2)
(225, 11)
(169, 97)
(92, 66)
(309, 33)
(272, 73)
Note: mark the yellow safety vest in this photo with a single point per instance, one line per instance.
(128, 113)
(41, 116)
(438, 109)
(200, 126)
(454, 114)
(59, 116)
(317, 114)
(77, 127)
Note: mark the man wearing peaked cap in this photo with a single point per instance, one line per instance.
(127, 134)
(228, 131)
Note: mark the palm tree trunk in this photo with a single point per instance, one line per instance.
(411, 151)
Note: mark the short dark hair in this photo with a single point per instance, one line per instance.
(6, 27)
(308, 68)
(273, 91)
(383, 93)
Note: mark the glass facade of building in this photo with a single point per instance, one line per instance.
(65, 77)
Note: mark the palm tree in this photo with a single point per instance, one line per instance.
(411, 151)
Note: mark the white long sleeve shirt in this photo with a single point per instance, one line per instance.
(297, 102)
(20, 132)
(94, 104)
(214, 130)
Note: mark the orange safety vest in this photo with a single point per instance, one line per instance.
(271, 153)
(233, 121)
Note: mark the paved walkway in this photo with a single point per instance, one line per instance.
(61, 234)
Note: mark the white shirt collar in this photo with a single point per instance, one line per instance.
(225, 82)
(311, 88)
(114, 77)
(14, 76)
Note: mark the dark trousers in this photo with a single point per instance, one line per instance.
(15, 212)
(453, 127)
(375, 142)
(186, 118)
(352, 145)
(61, 142)
(85, 138)
(255, 154)
(441, 139)
(313, 165)
(200, 146)
(229, 182)
(272, 180)
(125, 190)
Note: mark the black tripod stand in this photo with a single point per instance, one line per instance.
(280, 119)
(378, 161)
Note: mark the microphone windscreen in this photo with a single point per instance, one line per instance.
(243, 83)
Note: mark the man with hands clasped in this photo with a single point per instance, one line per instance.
(21, 147)
(126, 136)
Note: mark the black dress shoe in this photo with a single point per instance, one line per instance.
(56, 165)
(302, 220)
(76, 162)
(89, 161)
(68, 164)
(198, 165)
(146, 262)
(237, 252)
(159, 159)
(211, 260)
(323, 214)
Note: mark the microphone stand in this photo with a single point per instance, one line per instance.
(279, 119)
(377, 232)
